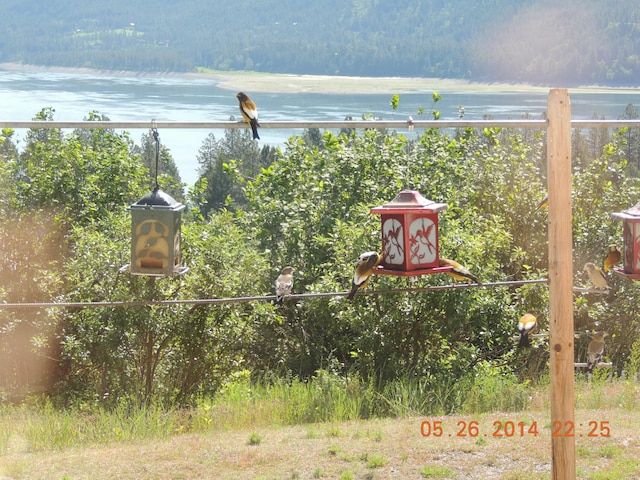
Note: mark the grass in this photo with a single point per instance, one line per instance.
(435, 471)
(39, 441)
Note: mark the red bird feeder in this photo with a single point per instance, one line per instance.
(631, 227)
(410, 235)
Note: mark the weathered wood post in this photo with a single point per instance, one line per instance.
(563, 448)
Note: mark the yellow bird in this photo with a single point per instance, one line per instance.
(366, 263)
(284, 284)
(596, 276)
(458, 272)
(249, 112)
(595, 350)
(543, 203)
(526, 325)
(612, 258)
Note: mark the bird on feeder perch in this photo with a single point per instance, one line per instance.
(595, 350)
(596, 276)
(543, 203)
(612, 258)
(365, 265)
(526, 325)
(458, 272)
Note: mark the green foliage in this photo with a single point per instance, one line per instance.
(227, 164)
(81, 176)
(307, 206)
(165, 353)
(435, 471)
(168, 175)
(329, 192)
(58, 180)
(254, 439)
(395, 101)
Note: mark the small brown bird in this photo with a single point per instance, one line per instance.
(612, 258)
(543, 203)
(458, 272)
(284, 284)
(366, 263)
(596, 276)
(249, 112)
(526, 325)
(595, 350)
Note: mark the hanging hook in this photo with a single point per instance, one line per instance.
(154, 129)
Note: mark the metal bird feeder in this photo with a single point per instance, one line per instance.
(410, 235)
(155, 235)
(155, 230)
(631, 238)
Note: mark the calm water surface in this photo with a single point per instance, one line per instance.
(74, 95)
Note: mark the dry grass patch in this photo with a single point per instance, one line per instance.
(377, 449)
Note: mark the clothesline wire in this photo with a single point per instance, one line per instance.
(260, 298)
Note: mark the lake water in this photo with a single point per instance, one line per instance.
(74, 95)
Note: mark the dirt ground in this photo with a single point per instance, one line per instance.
(461, 447)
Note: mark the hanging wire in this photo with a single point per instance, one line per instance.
(261, 298)
(156, 136)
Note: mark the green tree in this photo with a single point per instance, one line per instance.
(167, 173)
(169, 354)
(311, 210)
(227, 164)
(58, 182)
(632, 138)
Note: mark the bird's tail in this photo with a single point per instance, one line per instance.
(475, 279)
(524, 341)
(468, 275)
(254, 129)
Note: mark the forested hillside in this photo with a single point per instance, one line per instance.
(539, 42)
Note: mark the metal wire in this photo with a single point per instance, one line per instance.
(400, 124)
(261, 298)
(156, 136)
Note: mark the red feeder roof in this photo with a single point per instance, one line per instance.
(632, 213)
(410, 201)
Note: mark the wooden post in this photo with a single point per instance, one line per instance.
(563, 448)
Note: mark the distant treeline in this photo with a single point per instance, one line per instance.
(539, 42)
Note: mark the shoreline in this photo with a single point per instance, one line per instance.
(321, 84)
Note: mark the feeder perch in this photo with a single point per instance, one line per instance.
(410, 235)
(631, 238)
(155, 235)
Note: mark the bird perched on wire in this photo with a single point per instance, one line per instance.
(596, 276)
(612, 257)
(284, 284)
(249, 112)
(458, 272)
(595, 350)
(543, 203)
(366, 263)
(526, 325)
